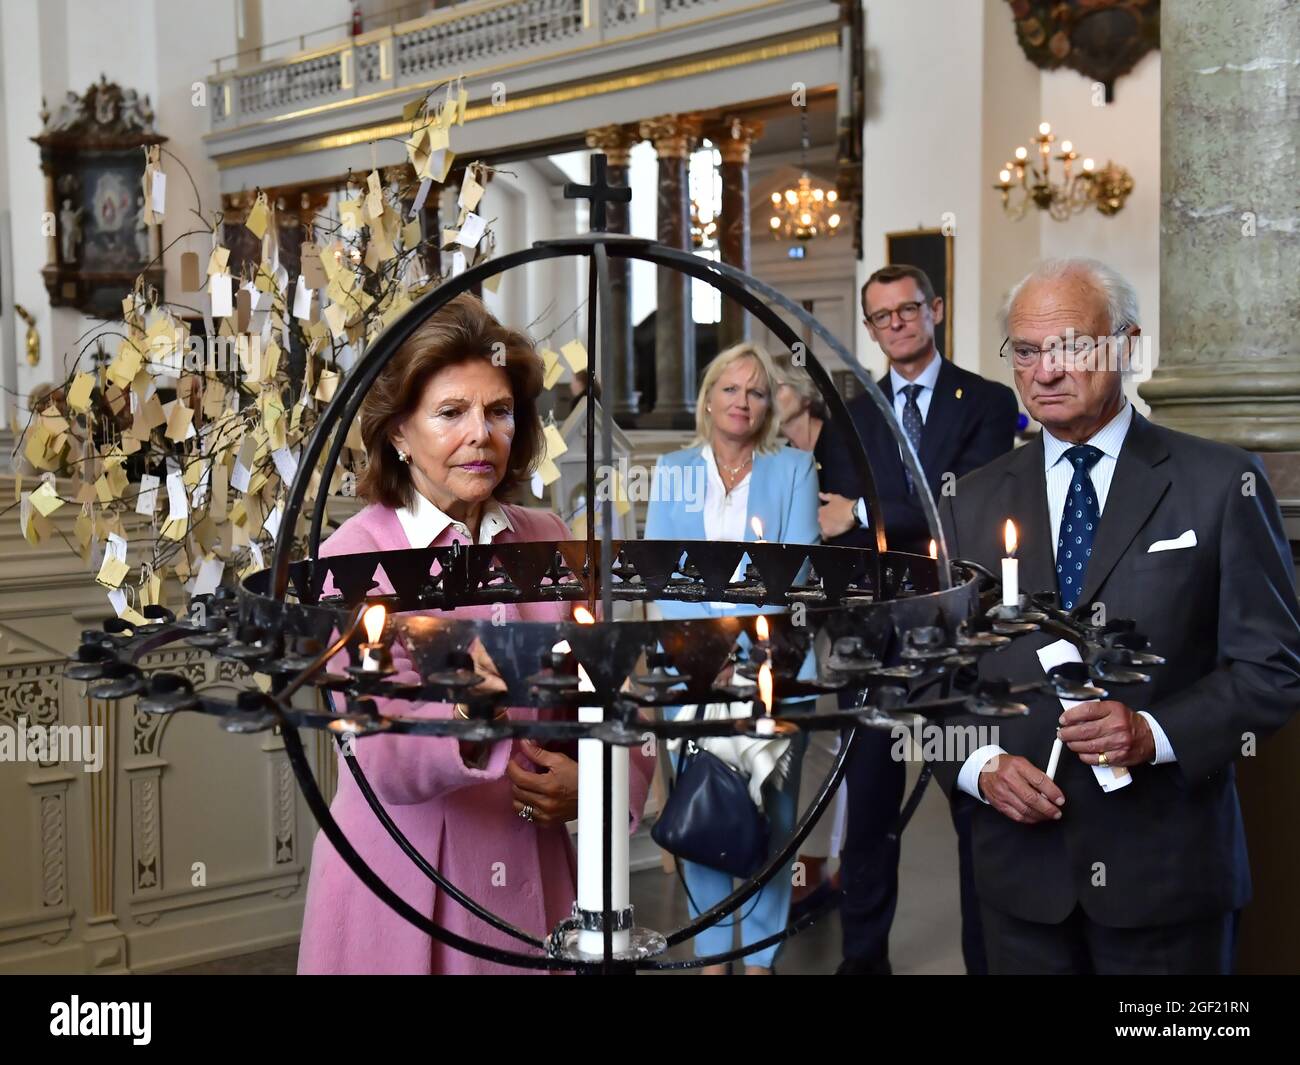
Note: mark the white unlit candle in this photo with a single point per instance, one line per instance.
(591, 828)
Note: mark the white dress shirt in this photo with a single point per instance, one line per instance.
(423, 522)
(928, 379)
(1059, 472)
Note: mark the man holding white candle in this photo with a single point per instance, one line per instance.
(1123, 519)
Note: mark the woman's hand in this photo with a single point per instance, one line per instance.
(485, 668)
(552, 793)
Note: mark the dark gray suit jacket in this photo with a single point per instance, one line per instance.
(1170, 847)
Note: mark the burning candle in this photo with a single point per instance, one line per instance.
(934, 550)
(756, 524)
(374, 655)
(765, 726)
(1010, 569)
(591, 820)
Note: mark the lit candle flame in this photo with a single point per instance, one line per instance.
(1044, 128)
(934, 549)
(1011, 537)
(583, 616)
(761, 626)
(765, 686)
(373, 620)
(756, 524)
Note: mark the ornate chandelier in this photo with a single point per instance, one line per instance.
(804, 212)
(1075, 190)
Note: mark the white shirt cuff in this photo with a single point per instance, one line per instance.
(1164, 749)
(860, 509)
(968, 778)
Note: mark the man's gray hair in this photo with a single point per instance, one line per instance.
(1121, 297)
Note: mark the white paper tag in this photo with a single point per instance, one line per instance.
(286, 464)
(302, 299)
(472, 231)
(178, 504)
(158, 193)
(240, 476)
(1111, 778)
(209, 576)
(201, 489)
(272, 525)
(421, 195)
(457, 263)
(115, 548)
(117, 597)
(255, 553)
(222, 299)
(147, 500)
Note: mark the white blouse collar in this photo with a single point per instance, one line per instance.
(423, 522)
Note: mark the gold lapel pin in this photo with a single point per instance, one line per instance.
(959, 393)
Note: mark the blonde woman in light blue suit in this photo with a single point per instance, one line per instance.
(747, 473)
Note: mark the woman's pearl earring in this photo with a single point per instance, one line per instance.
(402, 456)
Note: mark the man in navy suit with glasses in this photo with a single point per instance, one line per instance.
(955, 421)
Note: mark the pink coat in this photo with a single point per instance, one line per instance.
(462, 820)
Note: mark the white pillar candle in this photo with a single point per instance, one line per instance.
(591, 826)
(591, 832)
(1010, 569)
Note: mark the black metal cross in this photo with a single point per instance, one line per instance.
(599, 192)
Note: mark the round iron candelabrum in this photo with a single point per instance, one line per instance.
(904, 633)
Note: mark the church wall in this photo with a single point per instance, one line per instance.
(949, 96)
(42, 43)
(1128, 131)
(921, 146)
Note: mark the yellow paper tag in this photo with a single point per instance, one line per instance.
(258, 217)
(575, 354)
(555, 445)
(79, 394)
(548, 472)
(45, 499)
(112, 572)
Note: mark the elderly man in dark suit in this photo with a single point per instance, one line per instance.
(955, 421)
(1123, 519)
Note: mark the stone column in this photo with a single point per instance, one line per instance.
(1229, 362)
(734, 139)
(617, 143)
(674, 136)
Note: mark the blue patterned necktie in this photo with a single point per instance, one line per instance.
(1079, 523)
(912, 425)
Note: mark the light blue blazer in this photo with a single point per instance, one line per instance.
(782, 494)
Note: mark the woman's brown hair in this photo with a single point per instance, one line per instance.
(461, 331)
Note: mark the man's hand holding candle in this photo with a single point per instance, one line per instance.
(1108, 728)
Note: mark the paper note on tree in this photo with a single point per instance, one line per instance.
(575, 354)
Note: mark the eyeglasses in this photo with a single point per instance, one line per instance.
(907, 312)
(1085, 353)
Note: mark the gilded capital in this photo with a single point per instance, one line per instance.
(615, 141)
(735, 137)
(672, 135)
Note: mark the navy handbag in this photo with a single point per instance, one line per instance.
(710, 819)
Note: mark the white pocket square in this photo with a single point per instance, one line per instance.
(1188, 539)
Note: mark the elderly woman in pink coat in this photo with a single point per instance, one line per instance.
(450, 427)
